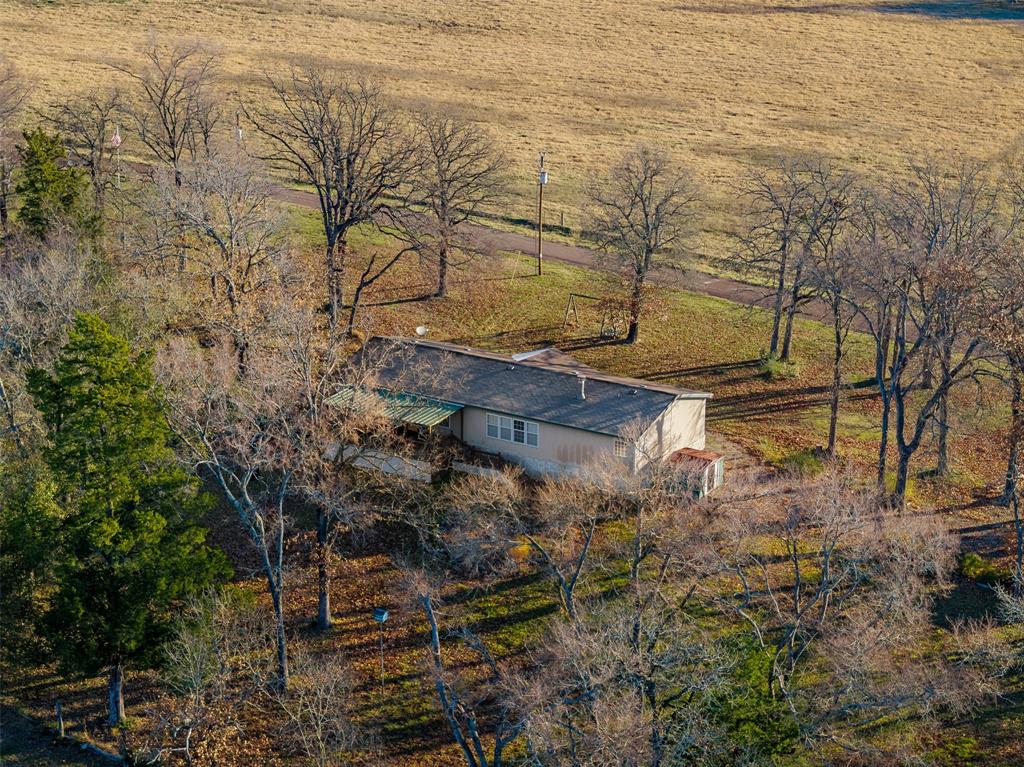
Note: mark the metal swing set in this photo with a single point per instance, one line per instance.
(613, 315)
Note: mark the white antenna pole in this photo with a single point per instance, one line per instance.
(116, 141)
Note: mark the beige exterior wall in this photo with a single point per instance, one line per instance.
(559, 448)
(680, 425)
(564, 449)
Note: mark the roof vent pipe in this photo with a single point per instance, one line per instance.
(583, 385)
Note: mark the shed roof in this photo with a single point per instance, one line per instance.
(548, 392)
(398, 406)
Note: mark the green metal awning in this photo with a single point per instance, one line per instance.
(398, 406)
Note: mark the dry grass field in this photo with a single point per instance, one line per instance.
(722, 83)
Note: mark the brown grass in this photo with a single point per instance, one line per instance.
(722, 83)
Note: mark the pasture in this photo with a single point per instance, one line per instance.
(721, 83)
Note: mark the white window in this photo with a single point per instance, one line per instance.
(621, 448)
(515, 430)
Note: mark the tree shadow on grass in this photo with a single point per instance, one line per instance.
(539, 335)
(967, 600)
(772, 402)
(982, 10)
(718, 369)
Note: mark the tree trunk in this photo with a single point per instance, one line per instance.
(837, 376)
(448, 706)
(794, 298)
(1013, 465)
(787, 340)
(904, 452)
(356, 298)
(882, 346)
(333, 293)
(323, 555)
(902, 477)
(115, 695)
(780, 292)
(442, 271)
(883, 444)
(12, 421)
(1018, 526)
(633, 333)
(942, 417)
(282, 642)
(3, 199)
(927, 370)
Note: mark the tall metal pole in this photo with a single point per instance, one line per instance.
(542, 179)
(381, 624)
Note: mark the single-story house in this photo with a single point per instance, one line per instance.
(542, 409)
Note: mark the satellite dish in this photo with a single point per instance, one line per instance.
(422, 330)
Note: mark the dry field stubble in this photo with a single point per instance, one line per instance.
(722, 83)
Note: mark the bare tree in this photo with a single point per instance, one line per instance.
(41, 291)
(215, 662)
(87, 125)
(561, 527)
(482, 739)
(851, 595)
(175, 109)
(221, 208)
(459, 173)
(1005, 330)
(634, 682)
(959, 228)
(1006, 327)
(330, 435)
(478, 524)
(796, 211)
(923, 270)
(828, 275)
(947, 234)
(875, 272)
(345, 140)
(12, 96)
(642, 210)
(319, 710)
(232, 429)
(772, 242)
(632, 678)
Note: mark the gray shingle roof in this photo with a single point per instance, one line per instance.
(527, 388)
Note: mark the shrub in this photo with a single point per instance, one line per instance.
(982, 570)
(808, 462)
(775, 369)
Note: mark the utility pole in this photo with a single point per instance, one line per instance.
(542, 181)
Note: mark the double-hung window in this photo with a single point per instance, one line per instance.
(516, 430)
